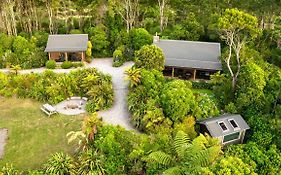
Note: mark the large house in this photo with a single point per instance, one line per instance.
(190, 59)
(228, 128)
(68, 47)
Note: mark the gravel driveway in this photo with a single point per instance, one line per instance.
(118, 114)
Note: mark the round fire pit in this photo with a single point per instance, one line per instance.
(72, 106)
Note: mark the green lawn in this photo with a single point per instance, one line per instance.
(33, 136)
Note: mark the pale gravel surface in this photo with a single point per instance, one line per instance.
(118, 114)
(3, 138)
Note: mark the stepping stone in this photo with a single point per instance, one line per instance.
(3, 138)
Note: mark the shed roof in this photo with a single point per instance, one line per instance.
(191, 54)
(215, 130)
(67, 43)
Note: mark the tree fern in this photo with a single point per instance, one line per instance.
(181, 142)
(159, 158)
(173, 171)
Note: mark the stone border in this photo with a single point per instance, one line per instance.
(3, 139)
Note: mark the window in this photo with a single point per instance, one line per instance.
(233, 123)
(223, 127)
(230, 137)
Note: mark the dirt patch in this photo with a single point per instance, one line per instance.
(3, 138)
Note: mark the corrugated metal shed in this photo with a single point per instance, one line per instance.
(191, 54)
(215, 130)
(67, 43)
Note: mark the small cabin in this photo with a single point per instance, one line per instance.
(228, 128)
(190, 59)
(67, 47)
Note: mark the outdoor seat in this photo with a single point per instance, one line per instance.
(85, 98)
(48, 109)
(75, 98)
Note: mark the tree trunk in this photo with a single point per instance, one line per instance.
(161, 4)
(50, 14)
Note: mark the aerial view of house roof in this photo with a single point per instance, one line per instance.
(67, 43)
(191, 54)
(225, 124)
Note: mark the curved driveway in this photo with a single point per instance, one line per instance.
(118, 114)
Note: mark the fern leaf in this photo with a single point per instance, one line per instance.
(173, 171)
(159, 158)
(181, 142)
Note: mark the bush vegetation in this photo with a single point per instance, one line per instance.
(53, 88)
(158, 103)
(66, 65)
(17, 50)
(51, 64)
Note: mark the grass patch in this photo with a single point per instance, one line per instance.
(32, 136)
(203, 91)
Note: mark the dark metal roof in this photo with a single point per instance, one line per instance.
(215, 130)
(191, 54)
(67, 43)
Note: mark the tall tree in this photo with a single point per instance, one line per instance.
(128, 10)
(236, 28)
(162, 7)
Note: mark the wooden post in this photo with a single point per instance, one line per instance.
(83, 56)
(194, 74)
(65, 56)
(173, 72)
(49, 55)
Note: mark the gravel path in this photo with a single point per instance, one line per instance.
(3, 138)
(118, 114)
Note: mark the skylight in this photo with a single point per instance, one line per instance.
(233, 124)
(223, 126)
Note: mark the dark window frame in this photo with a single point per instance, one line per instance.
(233, 139)
(234, 122)
(221, 122)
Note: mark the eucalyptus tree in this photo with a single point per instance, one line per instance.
(236, 28)
(128, 10)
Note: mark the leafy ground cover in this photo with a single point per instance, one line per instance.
(33, 137)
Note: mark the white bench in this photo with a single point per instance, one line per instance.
(48, 109)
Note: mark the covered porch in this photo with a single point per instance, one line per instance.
(67, 56)
(68, 47)
(188, 73)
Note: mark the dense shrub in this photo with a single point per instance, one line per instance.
(177, 100)
(89, 52)
(139, 37)
(118, 58)
(201, 85)
(21, 51)
(150, 57)
(53, 88)
(60, 164)
(51, 64)
(66, 65)
(77, 64)
(98, 38)
(75, 31)
(205, 106)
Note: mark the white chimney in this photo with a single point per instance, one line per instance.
(156, 38)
